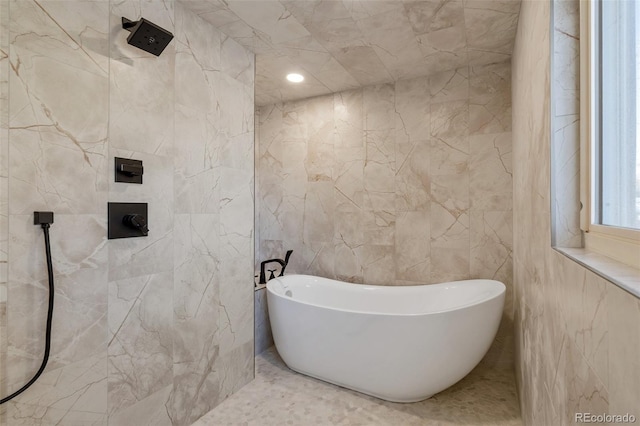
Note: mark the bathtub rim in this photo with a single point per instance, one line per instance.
(498, 294)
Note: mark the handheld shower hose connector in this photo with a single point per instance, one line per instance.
(44, 219)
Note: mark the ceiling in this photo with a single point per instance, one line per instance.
(343, 44)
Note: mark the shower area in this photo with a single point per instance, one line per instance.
(147, 331)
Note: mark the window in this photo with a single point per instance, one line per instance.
(610, 87)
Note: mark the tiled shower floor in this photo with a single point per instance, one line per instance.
(278, 396)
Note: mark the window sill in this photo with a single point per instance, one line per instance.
(622, 275)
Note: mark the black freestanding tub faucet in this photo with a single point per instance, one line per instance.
(283, 263)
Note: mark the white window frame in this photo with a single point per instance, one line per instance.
(620, 244)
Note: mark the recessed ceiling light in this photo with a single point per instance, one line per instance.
(295, 78)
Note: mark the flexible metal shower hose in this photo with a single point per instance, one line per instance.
(47, 348)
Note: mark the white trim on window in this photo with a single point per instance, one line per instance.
(620, 244)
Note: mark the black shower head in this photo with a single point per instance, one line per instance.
(146, 35)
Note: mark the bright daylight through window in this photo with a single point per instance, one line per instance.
(612, 195)
(619, 157)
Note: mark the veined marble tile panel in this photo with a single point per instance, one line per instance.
(490, 98)
(264, 339)
(412, 108)
(356, 43)
(348, 177)
(316, 258)
(151, 411)
(413, 246)
(426, 17)
(487, 29)
(624, 345)
(349, 119)
(34, 415)
(196, 306)
(59, 116)
(449, 85)
(140, 338)
(196, 38)
(348, 262)
(237, 62)
(413, 176)
(491, 171)
(78, 390)
(196, 183)
(491, 245)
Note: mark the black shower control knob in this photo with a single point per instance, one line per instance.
(136, 221)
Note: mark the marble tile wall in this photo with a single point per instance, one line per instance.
(405, 183)
(154, 330)
(565, 91)
(577, 335)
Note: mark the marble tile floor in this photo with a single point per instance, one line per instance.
(279, 396)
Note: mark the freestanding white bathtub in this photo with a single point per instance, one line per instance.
(401, 344)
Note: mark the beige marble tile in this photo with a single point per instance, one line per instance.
(490, 171)
(449, 244)
(34, 415)
(487, 26)
(320, 145)
(263, 336)
(623, 343)
(450, 121)
(316, 258)
(393, 41)
(490, 98)
(348, 178)
(64, 393)
(566, 181)
(449, 85)
(196, 307)
(341, 45)
(58, 115)
(431, 16)
(140, 339)
(149, 411)
(348, 262)
(491, 245)
(412, 109)
(319, 210)
(379, 264)
(413, 176)
(413, 246)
